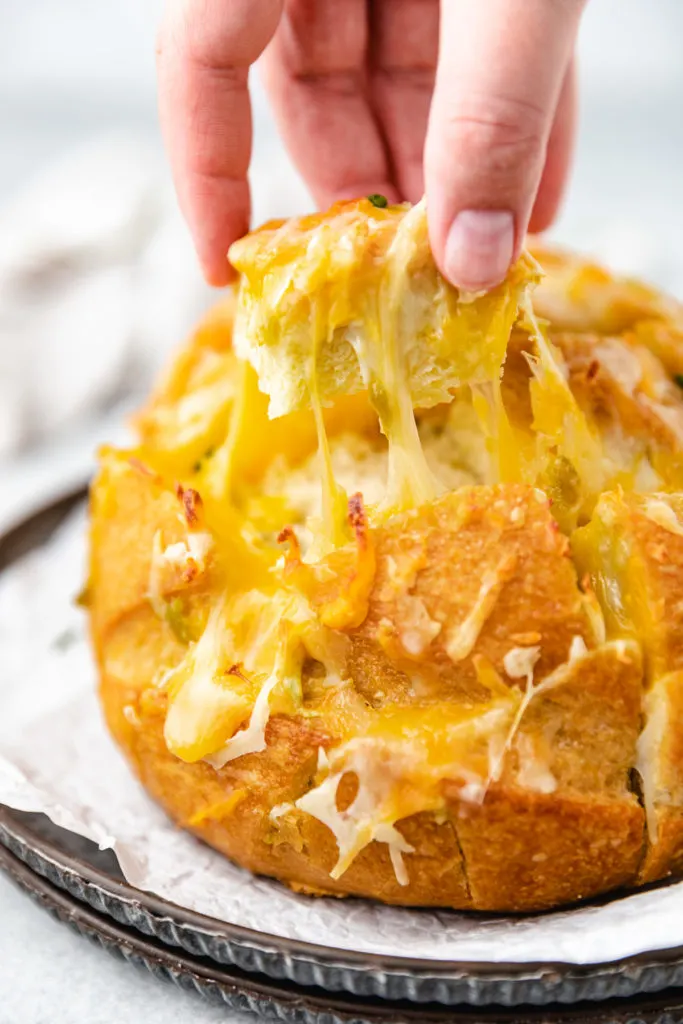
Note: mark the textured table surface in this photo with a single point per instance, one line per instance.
(625, 203)
(49, 975)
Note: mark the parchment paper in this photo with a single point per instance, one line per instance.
(56, 757)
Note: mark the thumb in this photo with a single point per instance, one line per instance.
(501, 68)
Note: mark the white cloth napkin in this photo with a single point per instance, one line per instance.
(99, 281)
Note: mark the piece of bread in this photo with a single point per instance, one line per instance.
(467, 701)
(335, 297)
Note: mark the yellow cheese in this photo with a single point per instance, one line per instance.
(332, 305)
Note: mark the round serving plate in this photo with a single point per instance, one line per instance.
(93, 878)
(283, 1001)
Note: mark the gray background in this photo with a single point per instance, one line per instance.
(72, 69)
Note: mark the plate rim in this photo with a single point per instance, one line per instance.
(120, 939)
(301, 948)
(302, 961)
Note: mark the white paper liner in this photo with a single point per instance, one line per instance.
(56, 757)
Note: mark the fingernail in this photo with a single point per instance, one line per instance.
(479, 248)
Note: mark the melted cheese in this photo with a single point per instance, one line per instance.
(189, 554)
(355, 827)
(399, 764)
(381, 352)
(658, 511)
(461, 640)
(534, 770)
(656, 712)
(253, 645)
(558, 419)
(330, 308)
(203, 705)
(519, 662)
(364, 280)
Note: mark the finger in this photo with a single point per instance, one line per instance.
(404, 43)
(314, 71)
(203, 57)
(501, 68)
(558, 157)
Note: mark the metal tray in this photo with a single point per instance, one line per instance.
(92, 877)
(241, 991)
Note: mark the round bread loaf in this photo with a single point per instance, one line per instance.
(469, 701)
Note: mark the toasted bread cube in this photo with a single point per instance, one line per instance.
(563, 816)
(481, 572)
(343, 290)
(660, 764)
(632, 549)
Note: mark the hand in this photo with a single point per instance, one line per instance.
(376, 96)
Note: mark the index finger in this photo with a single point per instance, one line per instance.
(204, 53)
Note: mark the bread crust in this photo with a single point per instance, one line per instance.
(520, 850)
(475, 595)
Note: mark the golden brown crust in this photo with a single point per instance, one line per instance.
(519, 851)
(589, 829)
(473, 602)
(661, 768)
(439, 558)
(529, 852)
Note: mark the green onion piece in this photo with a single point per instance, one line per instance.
(377, 200)
(678, 377)
(176, 617)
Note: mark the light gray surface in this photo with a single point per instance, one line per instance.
(50, 975)
(71, 69)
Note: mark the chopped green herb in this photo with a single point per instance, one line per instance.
(678, 377)
(177, 619)
(377, 200)
(196, 468)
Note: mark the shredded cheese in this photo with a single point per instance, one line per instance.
(399, 775)
(534, 771)
(658, 511)
(558, 419)
(356, 827)
(520, 661)
(417, 628)
(189, 554)
(460, 641)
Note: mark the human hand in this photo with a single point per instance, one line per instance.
(377, 96)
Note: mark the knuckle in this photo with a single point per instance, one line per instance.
(216, 33)
(506, 132)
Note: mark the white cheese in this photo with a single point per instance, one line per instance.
(658, 511)
(460, 641)
(519, 661)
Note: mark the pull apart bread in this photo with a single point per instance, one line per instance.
(388, 599)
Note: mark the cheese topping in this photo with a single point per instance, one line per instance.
(519, 661)
(355, 827)
(461, 640)
(418, 629)
(534, 771)
(364, 281)
(353, 304)
(399, 765)
(656, 711)
(661, 513)
(558, 418)
(189, 554)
